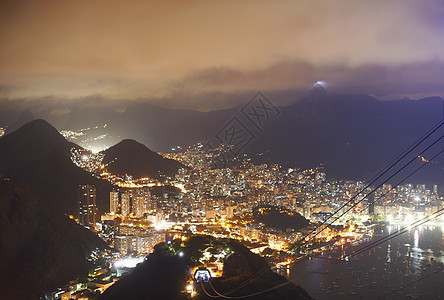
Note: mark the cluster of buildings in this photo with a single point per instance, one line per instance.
(307, 192)
(128, 226)
(100, 278)
(91, 162)
(220, 202)
(94, 138)
(71, 135)
(136, 202)
(204, 199)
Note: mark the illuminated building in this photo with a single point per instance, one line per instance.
(126, 207)
(230, 211)
(371, 204)
(114, 202)
(141, 244)
(87, 205)
(141, 201)
(419, 204)
(307, 212)
(138, 205)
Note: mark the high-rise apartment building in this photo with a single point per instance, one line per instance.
(126, 204)
(87, 205)
(141, 201)
(114, 202)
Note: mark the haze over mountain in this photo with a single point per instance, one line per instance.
(353, 136)
(84, 118)
(133, 158)
(24, 118)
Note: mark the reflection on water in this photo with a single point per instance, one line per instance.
(380, 271)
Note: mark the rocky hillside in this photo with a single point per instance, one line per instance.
(40, 249)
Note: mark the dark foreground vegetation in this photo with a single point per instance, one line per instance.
(166, 272)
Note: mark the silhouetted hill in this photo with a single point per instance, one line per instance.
(37, 154)
(32, 141)
(40, 249)
(133, 158)
(164, 274)
(279, 218)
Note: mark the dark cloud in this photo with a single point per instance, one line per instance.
(219, 88)
(204, 54)
(413, 80)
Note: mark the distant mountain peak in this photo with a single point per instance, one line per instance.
(27, 115)
(130, 147)
(39, 124)
(318, 92)
(32, 141)
(24, 118)
(39, 129)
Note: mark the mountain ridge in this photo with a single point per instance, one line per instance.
(32, 141)
(353, 136)
(39, 155)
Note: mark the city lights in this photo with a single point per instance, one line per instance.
(129, 262)
(220, 202)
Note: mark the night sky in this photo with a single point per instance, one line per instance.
(210, 54)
